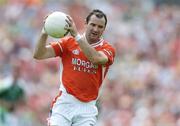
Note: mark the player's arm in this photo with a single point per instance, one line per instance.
(96, 57)
(43, 51)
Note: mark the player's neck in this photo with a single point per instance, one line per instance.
(89, 40)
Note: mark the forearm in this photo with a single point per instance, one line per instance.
(90, 52)
(92, 55)
(40, 48)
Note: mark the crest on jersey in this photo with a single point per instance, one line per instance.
(75, 52)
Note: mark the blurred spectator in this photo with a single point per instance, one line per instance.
(11, 93)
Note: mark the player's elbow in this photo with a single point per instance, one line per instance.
(36, 56)
(100, 58)
(39, 54)
(98, 61)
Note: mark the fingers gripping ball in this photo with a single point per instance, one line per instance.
(55, 24)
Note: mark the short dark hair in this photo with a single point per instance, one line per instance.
(98, 13)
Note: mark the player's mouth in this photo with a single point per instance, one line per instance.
(94, 34)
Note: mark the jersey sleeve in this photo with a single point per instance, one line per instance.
(59, 46)
(109, 51)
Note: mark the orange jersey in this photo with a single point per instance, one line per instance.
(79, 76)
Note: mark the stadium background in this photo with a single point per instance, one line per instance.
(143, 85)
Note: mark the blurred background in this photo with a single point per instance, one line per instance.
(142, 87)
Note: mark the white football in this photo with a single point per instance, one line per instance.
(55, 23)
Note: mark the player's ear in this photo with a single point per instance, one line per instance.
(85, 22)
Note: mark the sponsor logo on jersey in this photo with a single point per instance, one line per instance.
(84, 66)
(76, 52)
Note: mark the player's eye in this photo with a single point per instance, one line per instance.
(100, 26)
(92, 24)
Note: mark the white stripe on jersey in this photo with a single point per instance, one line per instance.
(60, 47)
(61, 70)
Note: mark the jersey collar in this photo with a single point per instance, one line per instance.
(98, 43)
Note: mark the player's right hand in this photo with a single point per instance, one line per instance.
(71, 26)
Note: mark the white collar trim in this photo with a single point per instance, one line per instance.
(99, 43)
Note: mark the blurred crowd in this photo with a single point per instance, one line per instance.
(142, 87)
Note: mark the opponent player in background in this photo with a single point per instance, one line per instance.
(85, 60)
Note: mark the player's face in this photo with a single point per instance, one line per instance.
(94, 29)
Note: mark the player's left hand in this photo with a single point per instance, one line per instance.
(71, 26)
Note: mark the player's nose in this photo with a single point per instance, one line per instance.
(95, 29)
